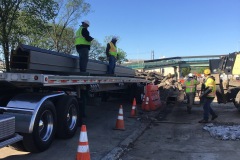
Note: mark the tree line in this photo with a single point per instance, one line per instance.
(47, 24)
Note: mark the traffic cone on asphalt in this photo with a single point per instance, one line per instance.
(143, 102)
(133, 111)
(83, 148)
(147, 108)
(120, 121)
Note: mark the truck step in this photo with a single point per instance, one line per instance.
(7, 126)
(12, 140)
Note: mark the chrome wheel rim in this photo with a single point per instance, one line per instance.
(72, 117)
(45, 126)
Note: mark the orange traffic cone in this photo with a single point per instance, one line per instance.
(147, 108)
(120, 122)
(143, 102)
(83, 148)
(133, 111)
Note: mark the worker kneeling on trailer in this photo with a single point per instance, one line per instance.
(190, 90)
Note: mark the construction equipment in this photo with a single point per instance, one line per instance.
(42, 96)
(226, 72)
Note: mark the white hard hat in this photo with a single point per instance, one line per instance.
(190, 75)
(86, 22)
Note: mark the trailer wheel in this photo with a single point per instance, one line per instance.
(135, 91)
(67, 113)
(105, 96)
(44, 129)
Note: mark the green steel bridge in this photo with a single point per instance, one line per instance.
(181, 62)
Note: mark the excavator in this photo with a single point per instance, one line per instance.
(226, 71)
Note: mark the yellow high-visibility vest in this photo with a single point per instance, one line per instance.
(113, 49)
(211, 84)
(80, 39)
(191, 85)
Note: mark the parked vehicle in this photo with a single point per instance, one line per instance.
(226, 72)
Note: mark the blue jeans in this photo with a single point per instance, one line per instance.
(207, 108)
(190, 99)
(83, 58)
(111, 65)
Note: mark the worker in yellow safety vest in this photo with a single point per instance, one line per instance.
(190, 90)
(112, 55)
(208, 96)
(83, 44)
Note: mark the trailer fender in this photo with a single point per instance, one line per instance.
(25, 107)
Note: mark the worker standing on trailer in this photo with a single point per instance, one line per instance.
(208, 96)
(112, 55)
(190, 90)
(83, 44)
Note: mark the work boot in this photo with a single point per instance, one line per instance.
(203, 121)
(214, 117)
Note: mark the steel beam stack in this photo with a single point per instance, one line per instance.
(29, 58)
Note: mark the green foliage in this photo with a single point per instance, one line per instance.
(61, 30)
(20, 18)
(121, 56)
(200, 71)
(185, 71)
(62, 42)
(48, 24)
(96, 51)
(32, 34)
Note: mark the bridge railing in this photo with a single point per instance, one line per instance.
(169, 62)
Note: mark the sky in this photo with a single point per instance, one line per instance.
(169, 28)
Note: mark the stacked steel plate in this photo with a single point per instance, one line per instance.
(31, 59)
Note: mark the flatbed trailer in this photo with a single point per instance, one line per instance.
(37, 107)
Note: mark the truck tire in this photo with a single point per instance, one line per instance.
(44, 129)
(220, 94)
(135, 91)
(105, 96)
(68, 116)
(236, 101)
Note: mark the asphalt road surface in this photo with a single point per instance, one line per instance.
(179, 136)
(100, 121)
(168, 133)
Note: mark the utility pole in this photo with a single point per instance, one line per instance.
(152, 55)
